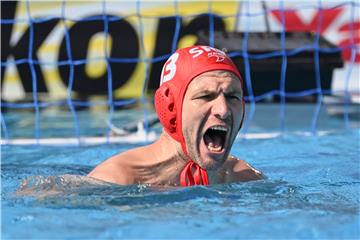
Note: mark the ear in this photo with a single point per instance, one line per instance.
(165, 107)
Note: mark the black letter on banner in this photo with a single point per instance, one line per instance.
(124, 45)
(165, 33)
(21, 50)
(7, 13)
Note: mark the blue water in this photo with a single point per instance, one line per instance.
(311, 192)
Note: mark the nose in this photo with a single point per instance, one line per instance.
(220, 108)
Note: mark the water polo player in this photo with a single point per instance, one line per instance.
(200, 105)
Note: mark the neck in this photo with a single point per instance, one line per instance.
(171, 148)
(169, 160)
(177, 168)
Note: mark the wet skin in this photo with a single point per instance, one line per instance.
(212, 99)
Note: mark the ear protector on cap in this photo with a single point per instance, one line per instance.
(165, 107)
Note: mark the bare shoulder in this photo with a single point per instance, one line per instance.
(116, 169)
(121, 168)
(239, 170)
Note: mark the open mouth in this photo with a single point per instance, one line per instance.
(215, 138)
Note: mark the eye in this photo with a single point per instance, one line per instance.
(236, 97)
(205, 96)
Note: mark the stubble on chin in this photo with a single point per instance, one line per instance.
(191, 148)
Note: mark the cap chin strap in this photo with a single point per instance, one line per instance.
(188, 178)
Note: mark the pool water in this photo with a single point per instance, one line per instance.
(312, 190)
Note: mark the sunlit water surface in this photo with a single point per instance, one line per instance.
(311, 191)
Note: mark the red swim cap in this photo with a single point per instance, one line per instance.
(177, 73)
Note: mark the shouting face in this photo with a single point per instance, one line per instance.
(211, 117)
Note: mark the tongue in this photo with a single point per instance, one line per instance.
(214, 141)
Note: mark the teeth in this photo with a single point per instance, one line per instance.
(221, 128)
(214, 149)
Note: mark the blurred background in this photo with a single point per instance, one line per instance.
(63, 57)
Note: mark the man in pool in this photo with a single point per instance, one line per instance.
(200, 105)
